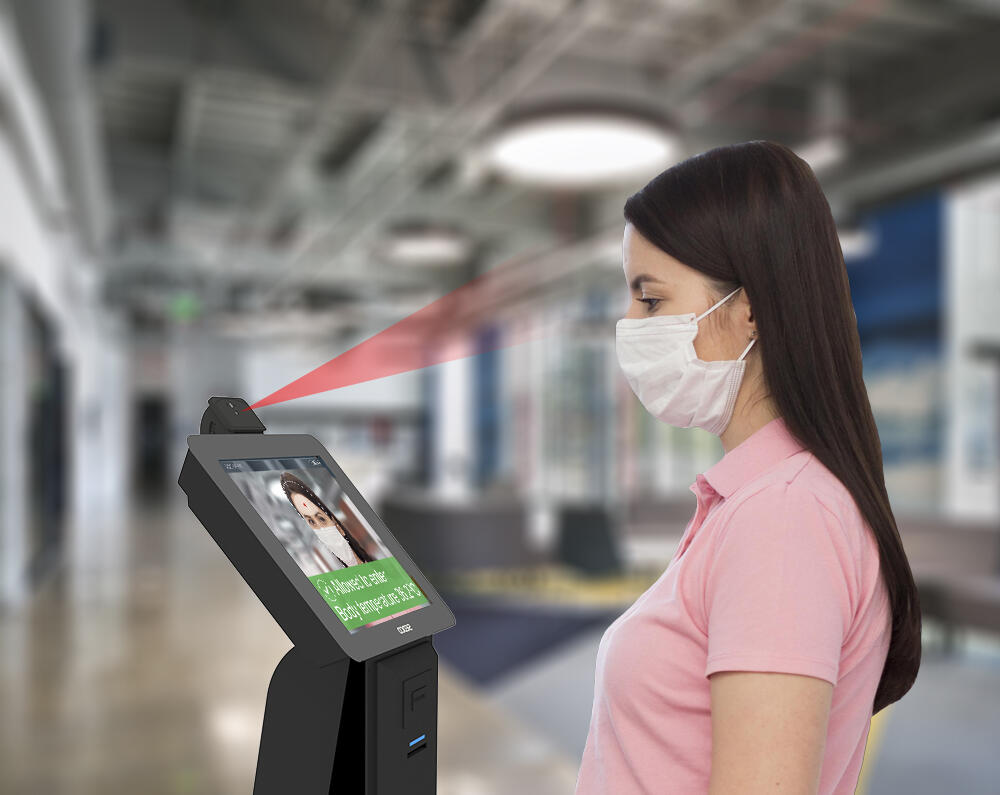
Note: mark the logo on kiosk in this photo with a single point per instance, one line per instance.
(403, 628)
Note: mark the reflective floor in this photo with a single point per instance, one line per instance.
(144, 667)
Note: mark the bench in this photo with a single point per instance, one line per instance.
(956, 565)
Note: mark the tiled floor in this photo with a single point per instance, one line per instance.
(943, 736)
(144, 667)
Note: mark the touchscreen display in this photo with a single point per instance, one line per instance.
(326, 535)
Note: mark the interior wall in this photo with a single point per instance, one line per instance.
(973, 383)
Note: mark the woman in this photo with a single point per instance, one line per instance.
(321, 519)
(788, 615)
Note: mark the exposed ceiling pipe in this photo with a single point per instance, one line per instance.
(450, 132)
(371, 23)
(54, 36)
(466, 120)
(970, 154)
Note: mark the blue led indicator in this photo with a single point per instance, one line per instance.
(414, 742)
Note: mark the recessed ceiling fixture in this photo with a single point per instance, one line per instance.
(823, 152)
(581, 145)
(428, 243)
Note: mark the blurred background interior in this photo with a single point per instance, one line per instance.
(212, 197)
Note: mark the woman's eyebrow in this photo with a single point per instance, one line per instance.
(644, 277)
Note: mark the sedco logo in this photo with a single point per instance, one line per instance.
(403, 628)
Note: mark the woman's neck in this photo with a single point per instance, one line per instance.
(747, 421)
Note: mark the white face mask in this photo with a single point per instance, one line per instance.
(658, 359)
(336, 543)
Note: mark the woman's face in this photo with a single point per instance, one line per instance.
(314, 515)
(658, 284)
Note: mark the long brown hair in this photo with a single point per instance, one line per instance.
(753, 214)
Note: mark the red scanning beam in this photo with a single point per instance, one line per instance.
(439, 332)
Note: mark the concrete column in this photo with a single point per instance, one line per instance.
(13, 445)
(451, 472)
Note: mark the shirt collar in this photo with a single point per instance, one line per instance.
(764, 448)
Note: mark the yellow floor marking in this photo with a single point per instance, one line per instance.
(875, 733)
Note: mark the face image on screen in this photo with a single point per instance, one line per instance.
(307, 510)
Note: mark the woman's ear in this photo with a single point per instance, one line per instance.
(747, 311)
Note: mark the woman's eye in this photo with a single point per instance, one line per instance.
(650, 302)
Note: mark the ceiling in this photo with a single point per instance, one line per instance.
(255, 150)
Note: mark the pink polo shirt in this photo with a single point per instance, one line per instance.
(777, 571)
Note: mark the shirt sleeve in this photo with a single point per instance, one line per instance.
(778, 588)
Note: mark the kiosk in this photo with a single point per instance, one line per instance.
(352, 707)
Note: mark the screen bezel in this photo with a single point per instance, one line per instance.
(211, 449)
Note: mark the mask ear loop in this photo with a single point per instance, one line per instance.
(718, 303)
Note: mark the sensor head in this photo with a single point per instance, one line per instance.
(230, 415)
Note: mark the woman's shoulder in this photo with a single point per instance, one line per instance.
(800, 490)
(822, 485)
(799, 477)
(797, 516)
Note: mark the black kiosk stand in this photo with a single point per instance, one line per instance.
(348, 713)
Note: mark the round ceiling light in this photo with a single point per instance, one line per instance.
(581, 145)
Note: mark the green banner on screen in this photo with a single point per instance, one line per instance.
(366, 593)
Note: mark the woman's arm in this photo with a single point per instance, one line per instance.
(768, 732)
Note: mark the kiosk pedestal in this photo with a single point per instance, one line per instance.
(351, 728)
